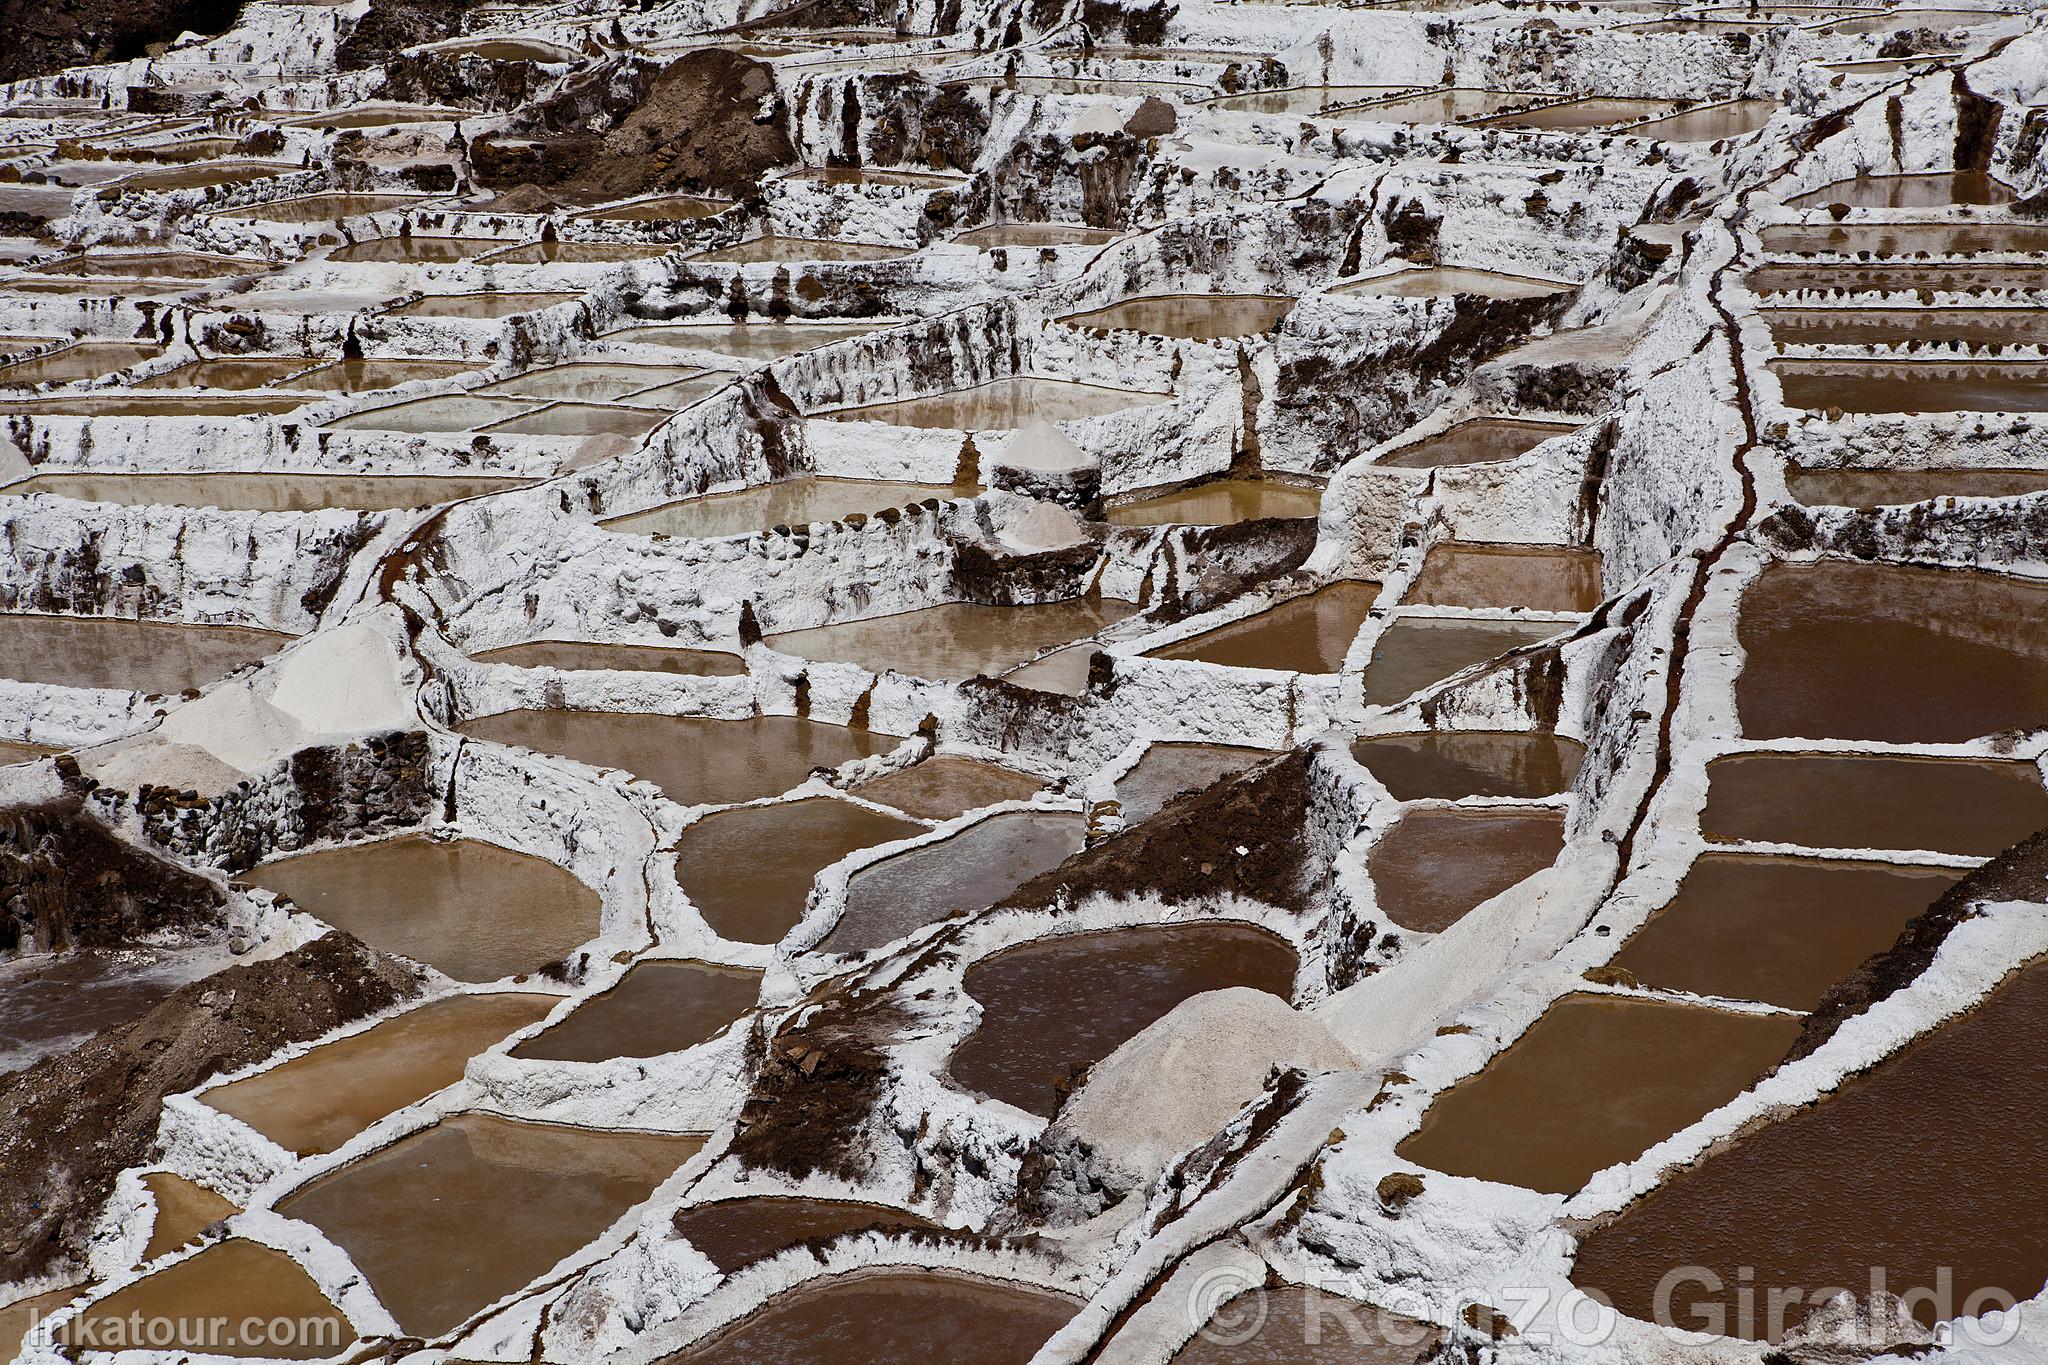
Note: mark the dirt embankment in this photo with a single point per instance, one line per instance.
(45, 36)
(708, 121)
(70, 1124)
(391, 26)
(67, 881)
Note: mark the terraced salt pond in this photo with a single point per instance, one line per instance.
(695, 760)
(754, 342)
(412, 249)
(881, 1317)
(1905, 239)
(1582, 115)
(2008, 326)
(1054, 1004)
(1596, 1080)
(1923, 191)
(788, 250)
(800, 501)
(1449, 105)
(1167, 770)
(475, 911)
(87, 360)
(656, 1007)
(130, 656)
(1482, 440)
(1450, 765)
(1295, 1326)
(1779, 930)
(1193, 317)
(262, 492)
(739, 1232)
(1309, 634)
(1534, 577)
(1002, 405)
(1845, 650)
(1416, 652)
(1899, 487)
(320, 1099)
(1438, 863)
(450, 1219)
(1914, 386)
(1028, 235)
(183, 1211)
(947, 785)
(593, 382)
(1307, 99)
(970, 871)
(749, 870)
(1443, 281)
(1224, 502)
(585, 654)
(1896, 277)
(955, 639)
(322, 208)
(490, 304)
(1974, 807)
(1736, 118)
(222, 1301)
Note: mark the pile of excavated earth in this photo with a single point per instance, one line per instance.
(1202, 681)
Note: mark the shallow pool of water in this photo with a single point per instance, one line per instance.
(582, 419)
(667, 208)
(1307, 99)
(947, 785)
(1534, 577)
(1449, 765)
(739, 1232)
(792, 250)
(155, 265)
(750, 341)
(1905, 239)
(1449, 105)
(1196, 317)
(136, 656)
(451, 1219)
(222, 1302)
(955, 639)
(1899, 326)
(1224, 502)
(1168, 770)
(1595, 1081)
(442, 414)
(1447, 281)
(367, 376)
(1003, 405)
(1925, 191)
(494, 304)
(800, 501)
(1483, 440)
(89, 360)
(1290, 1325)
(1025, 236)
(1845, 650)
(657, 1007)
(582, 253)
(1583, 115)
(572, 655)
(1891, 801)
(749, 871)
(1309, 634)
(320, 1099)
(413, 250)
(183, 1211)
(1913, 386)
(261, 492)
(970, 871)
(472, 909)
(588, 381)
(1438, 864)
(323, 208)
(1417, 652)
(1895, 277)
(1737, 118)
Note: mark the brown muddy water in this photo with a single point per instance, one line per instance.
(366, 376)
(88, 360)
(739, 1232)
(695, 760)
(1913, 386)
(750, 341)
(1483, 440)
(20, 1318)
(1779, 930)
(800, 501)
(12, 752)
(1969, 806)
(1895, 277)
(1446, 281)
(134, 656)
(1449, 765)
(494, 304)
(1534, 577)
(1738, 118)
(749, 871)
(588, 381)
(413, 250)
(1824, 1194)
(1224, 502)
(1192, 317)
(472, 909)
(231, 374)
(1583, 115)
(1063, 672)
(1167, 770)
(1595, 1081)
(262, 492)
(583, 419)
(886, 1317)
(955, 639)
(204, 1303)
(1899, 487)
(1904, 239)
(581, 253)
(1844, 650)
(947, 785)
(320, 1099)
(970, 871)
(1290, 1325)
(154, 265)
(1028, 235)
(183, 1211)
(1440, 106)
(1307, 99)
(151, 405)
(323, 208)
(451, 1219)
(571, 655)
(656, 1007)
(1058, 1003)
(1900, 326)
(791, 250)
(1309, 634)
(1002, 405)
(1926, 191)
(446, 413)
(668, 208)
(1416, 652)
(1436, 865)
(194, 177)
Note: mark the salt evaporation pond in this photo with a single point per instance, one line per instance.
(1191, 317)
(1002, 405)
(183, 1211)
(1029, 235)
(152, 657)
(222, 1302)
(1483, 440)
(1736, 118)
(1448, 105)
(1920, 191)
(1223, 502)
(1309, 634)
(1969, 806)
(1306, 99)
(1779, 930)
(322, 208)
(1970, 326)
(1168, 770)
(1900, 487)
(263, 492)
(1896, 277)
(947, 785)
(1582, 115)
(800, 501)
(1445, 281)
(1418, 652)
(749, 870)
(1846, 650)
(1289, 1325)
(582, 253)
(1450, 765)
(656, 1007)
(791, 250)
(739, 1232)
(589, 381)
(955, 639)
(756, 342)
(1437, 864)
(970, 871)
(578, 655)
(413, 250)
(1913, 385)
(1595, 1081)
(471, 909)
(87, 360)
(667, 208)
(448, 1220)
(490, 304)
(1905, 239)
(1534, 577)
(320, 1099)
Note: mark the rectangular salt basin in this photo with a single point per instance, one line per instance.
(588, 382)
(1444, 281)
(1199, 317)
(195, 177)
(321, 208)
(582, 654)
(1027, 235)
(219, 1302)
(1896, 487)
(263, 492)
(1450, 765)
(581, 253)
(374, 373)
(669, 208)
(583, 419)
(446, 413)
(1309, 634)
(1973, 807)
(656, 1008)
(1002, 405)
(1900, 326)
(1913, 386)
(749, 870)
(1168, 771)
(955, 640)
(1439, 863)
(753, 341)
(1926, 191)
(169, 265)
(87, 360)
(1895, 277)
(1534, 577)
(800, 501)
(1737, 118)
(1308, 99)
(414, 250)
(1415, 652)
(791, 250)
(238, 373)
(1224, 502)
(1442, 106)
(131, 656)
(1483, 440)
(948, 785)
(486, 305)
(1906, 239)
(1583, 115)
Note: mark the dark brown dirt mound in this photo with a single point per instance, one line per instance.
(697, 124)
(394, 25)
(811, 1105)
(67, 881)
(48, 35)
(70, 1124)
